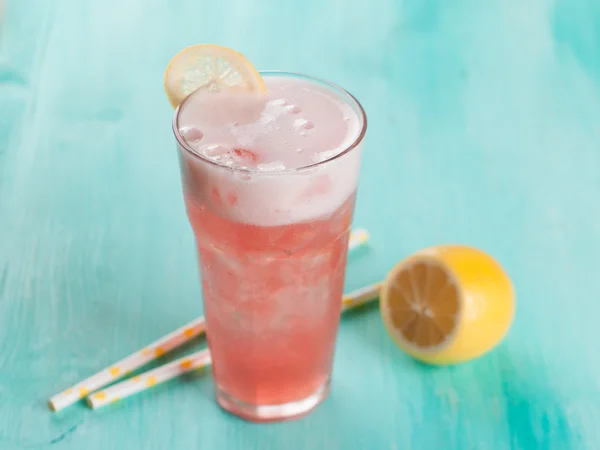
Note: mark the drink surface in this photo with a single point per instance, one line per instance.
(297, 123)
(272, 242)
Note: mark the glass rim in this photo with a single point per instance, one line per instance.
(347, 95)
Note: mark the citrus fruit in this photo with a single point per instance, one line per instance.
(212, 68)
(447, 304)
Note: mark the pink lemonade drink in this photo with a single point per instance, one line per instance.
(270, 182)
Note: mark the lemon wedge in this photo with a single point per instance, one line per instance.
(447, 304)
(212, 68)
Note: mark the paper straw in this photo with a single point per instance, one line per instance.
(140, 358)
(357, 238)
(197, 360)
(148, 379)
(361, 296)
(127, 365)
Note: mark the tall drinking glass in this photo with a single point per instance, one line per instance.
(270, 199)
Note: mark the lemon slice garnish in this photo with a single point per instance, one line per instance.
(212, 68)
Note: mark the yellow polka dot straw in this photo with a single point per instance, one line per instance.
(361, 296)
(155, 350)
(357, 238)
(149, 379)
(124, 367)
(197, 360)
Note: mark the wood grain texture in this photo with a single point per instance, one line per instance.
(484, 129)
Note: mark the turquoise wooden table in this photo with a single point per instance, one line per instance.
(484, 129)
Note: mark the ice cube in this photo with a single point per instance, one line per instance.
(191, 134)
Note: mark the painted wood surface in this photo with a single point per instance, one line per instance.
(484, 129)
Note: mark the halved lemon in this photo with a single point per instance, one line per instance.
(447, 304)
(212, 68)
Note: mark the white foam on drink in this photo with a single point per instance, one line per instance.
(303, 124)
(297, 123)
(275, 166)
